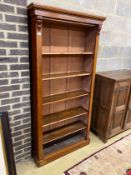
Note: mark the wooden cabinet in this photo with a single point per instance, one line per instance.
(112, 103)
(63, 50)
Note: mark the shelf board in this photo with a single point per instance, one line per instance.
(67, 53)
(65, 75)
(63, 132)
(62, 144)
(64, 96)
(63, 116)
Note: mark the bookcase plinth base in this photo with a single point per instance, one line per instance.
(61, 153)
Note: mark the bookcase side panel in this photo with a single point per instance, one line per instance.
(36, 83)
(94, 37)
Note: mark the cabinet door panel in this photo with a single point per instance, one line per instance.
(120, 104)
(118, 120)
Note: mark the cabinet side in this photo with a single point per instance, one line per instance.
(102, 107)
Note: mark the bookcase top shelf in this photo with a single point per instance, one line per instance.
(67, 53)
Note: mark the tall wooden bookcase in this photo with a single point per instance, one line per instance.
(63, 51)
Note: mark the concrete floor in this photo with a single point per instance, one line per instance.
(58, 166)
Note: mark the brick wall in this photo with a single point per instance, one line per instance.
(115, 39)
(14, 73)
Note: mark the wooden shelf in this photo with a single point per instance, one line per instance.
(63, 132)
(63, 116)
(67, 53)
(63, 143)
(65, 75)
(64, 96)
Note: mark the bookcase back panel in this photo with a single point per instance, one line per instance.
(46, 88)
(46, 65)
(75, 64)
(76, 40)
(78, 83)
(54, 64)
(56, 38)
(74, 84)
(46, 110)
(64, 85)
(56, 107)
(65, 38)
(90, 39)
(66, 64)
(53, 87)
(86, 84)
(58, 64)
(64, 105)
(52, 108)
(46, 38)
(88, 64)
(83, 102)
(57, 86)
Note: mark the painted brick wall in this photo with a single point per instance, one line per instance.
(115, 39)
(14, 73)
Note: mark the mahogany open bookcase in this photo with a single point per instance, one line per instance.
(63, 49)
